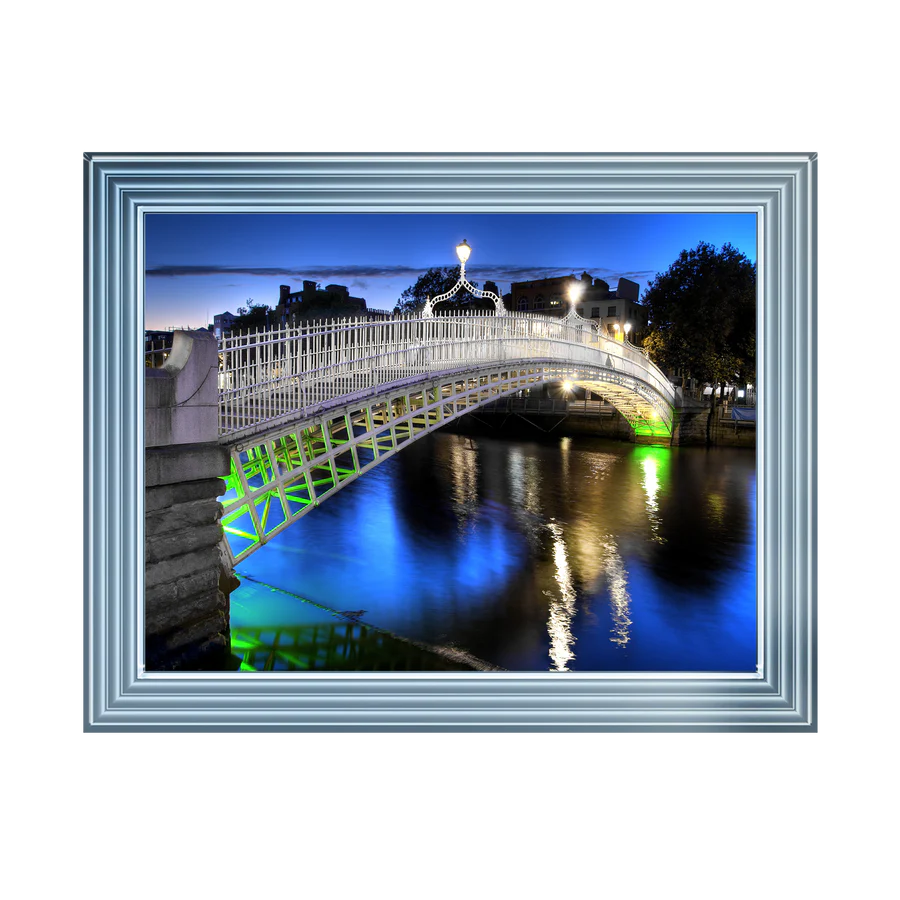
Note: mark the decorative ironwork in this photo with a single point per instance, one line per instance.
(463, 251)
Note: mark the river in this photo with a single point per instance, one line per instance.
(560, 553)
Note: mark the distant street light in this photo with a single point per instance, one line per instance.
(627, 330)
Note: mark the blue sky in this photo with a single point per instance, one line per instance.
(201, 264)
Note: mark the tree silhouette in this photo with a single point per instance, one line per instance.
(702, 313)
(432, 283)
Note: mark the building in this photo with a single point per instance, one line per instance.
(550, 297)
(312, 302)
(222, 324)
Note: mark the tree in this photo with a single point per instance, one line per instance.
(702, 314)
(254, 315)
(431, 284)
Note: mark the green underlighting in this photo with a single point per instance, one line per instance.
(651, 429)
(240, 530)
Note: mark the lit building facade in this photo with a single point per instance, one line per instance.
(550, 297)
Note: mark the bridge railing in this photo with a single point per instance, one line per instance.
(265, 375)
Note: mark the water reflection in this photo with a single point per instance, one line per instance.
(464, 469)
(651, 484)
(617, 580)
(568, 554)
(562, 605)
(332, 647)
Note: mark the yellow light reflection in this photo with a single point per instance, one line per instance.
(651, 485)
(565, 445)
(515, 469)
(525, 482)
(618, 594)
(464, 469)
(562, 608)
(715, 507)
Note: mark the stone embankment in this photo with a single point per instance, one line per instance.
(187, 569)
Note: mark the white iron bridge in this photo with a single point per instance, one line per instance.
(305, 410)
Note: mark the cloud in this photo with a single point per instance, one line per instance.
(312, 273)
(378, 282)
(509, 274)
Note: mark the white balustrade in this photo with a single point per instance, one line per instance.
(268, 375)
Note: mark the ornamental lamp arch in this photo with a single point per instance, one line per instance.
(463, 251)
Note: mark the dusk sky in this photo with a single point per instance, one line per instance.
(201, 264)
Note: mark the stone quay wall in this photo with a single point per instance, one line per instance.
(187, 567)
(690, 429)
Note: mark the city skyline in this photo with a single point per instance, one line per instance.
(199, 265)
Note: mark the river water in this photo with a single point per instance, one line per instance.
(561, 554)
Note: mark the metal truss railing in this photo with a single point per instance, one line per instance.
(273, 376)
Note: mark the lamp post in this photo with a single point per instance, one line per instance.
(617, 331)
(627, 331)
(574, 294)
(574, 317)
(463, 251)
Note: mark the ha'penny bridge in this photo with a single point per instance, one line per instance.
(303, 411)
(288, 416)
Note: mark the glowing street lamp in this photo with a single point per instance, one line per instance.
(627, 330)
(574, 293)
(618, 333)
(567, 386)
(462, 251)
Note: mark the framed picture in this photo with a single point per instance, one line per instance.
(781, 185)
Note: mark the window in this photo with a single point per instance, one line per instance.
(611, 311)
(539, 302)
(595, 312)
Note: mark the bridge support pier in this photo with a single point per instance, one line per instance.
(187, 568)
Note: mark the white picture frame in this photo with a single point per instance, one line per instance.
(120, 189)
